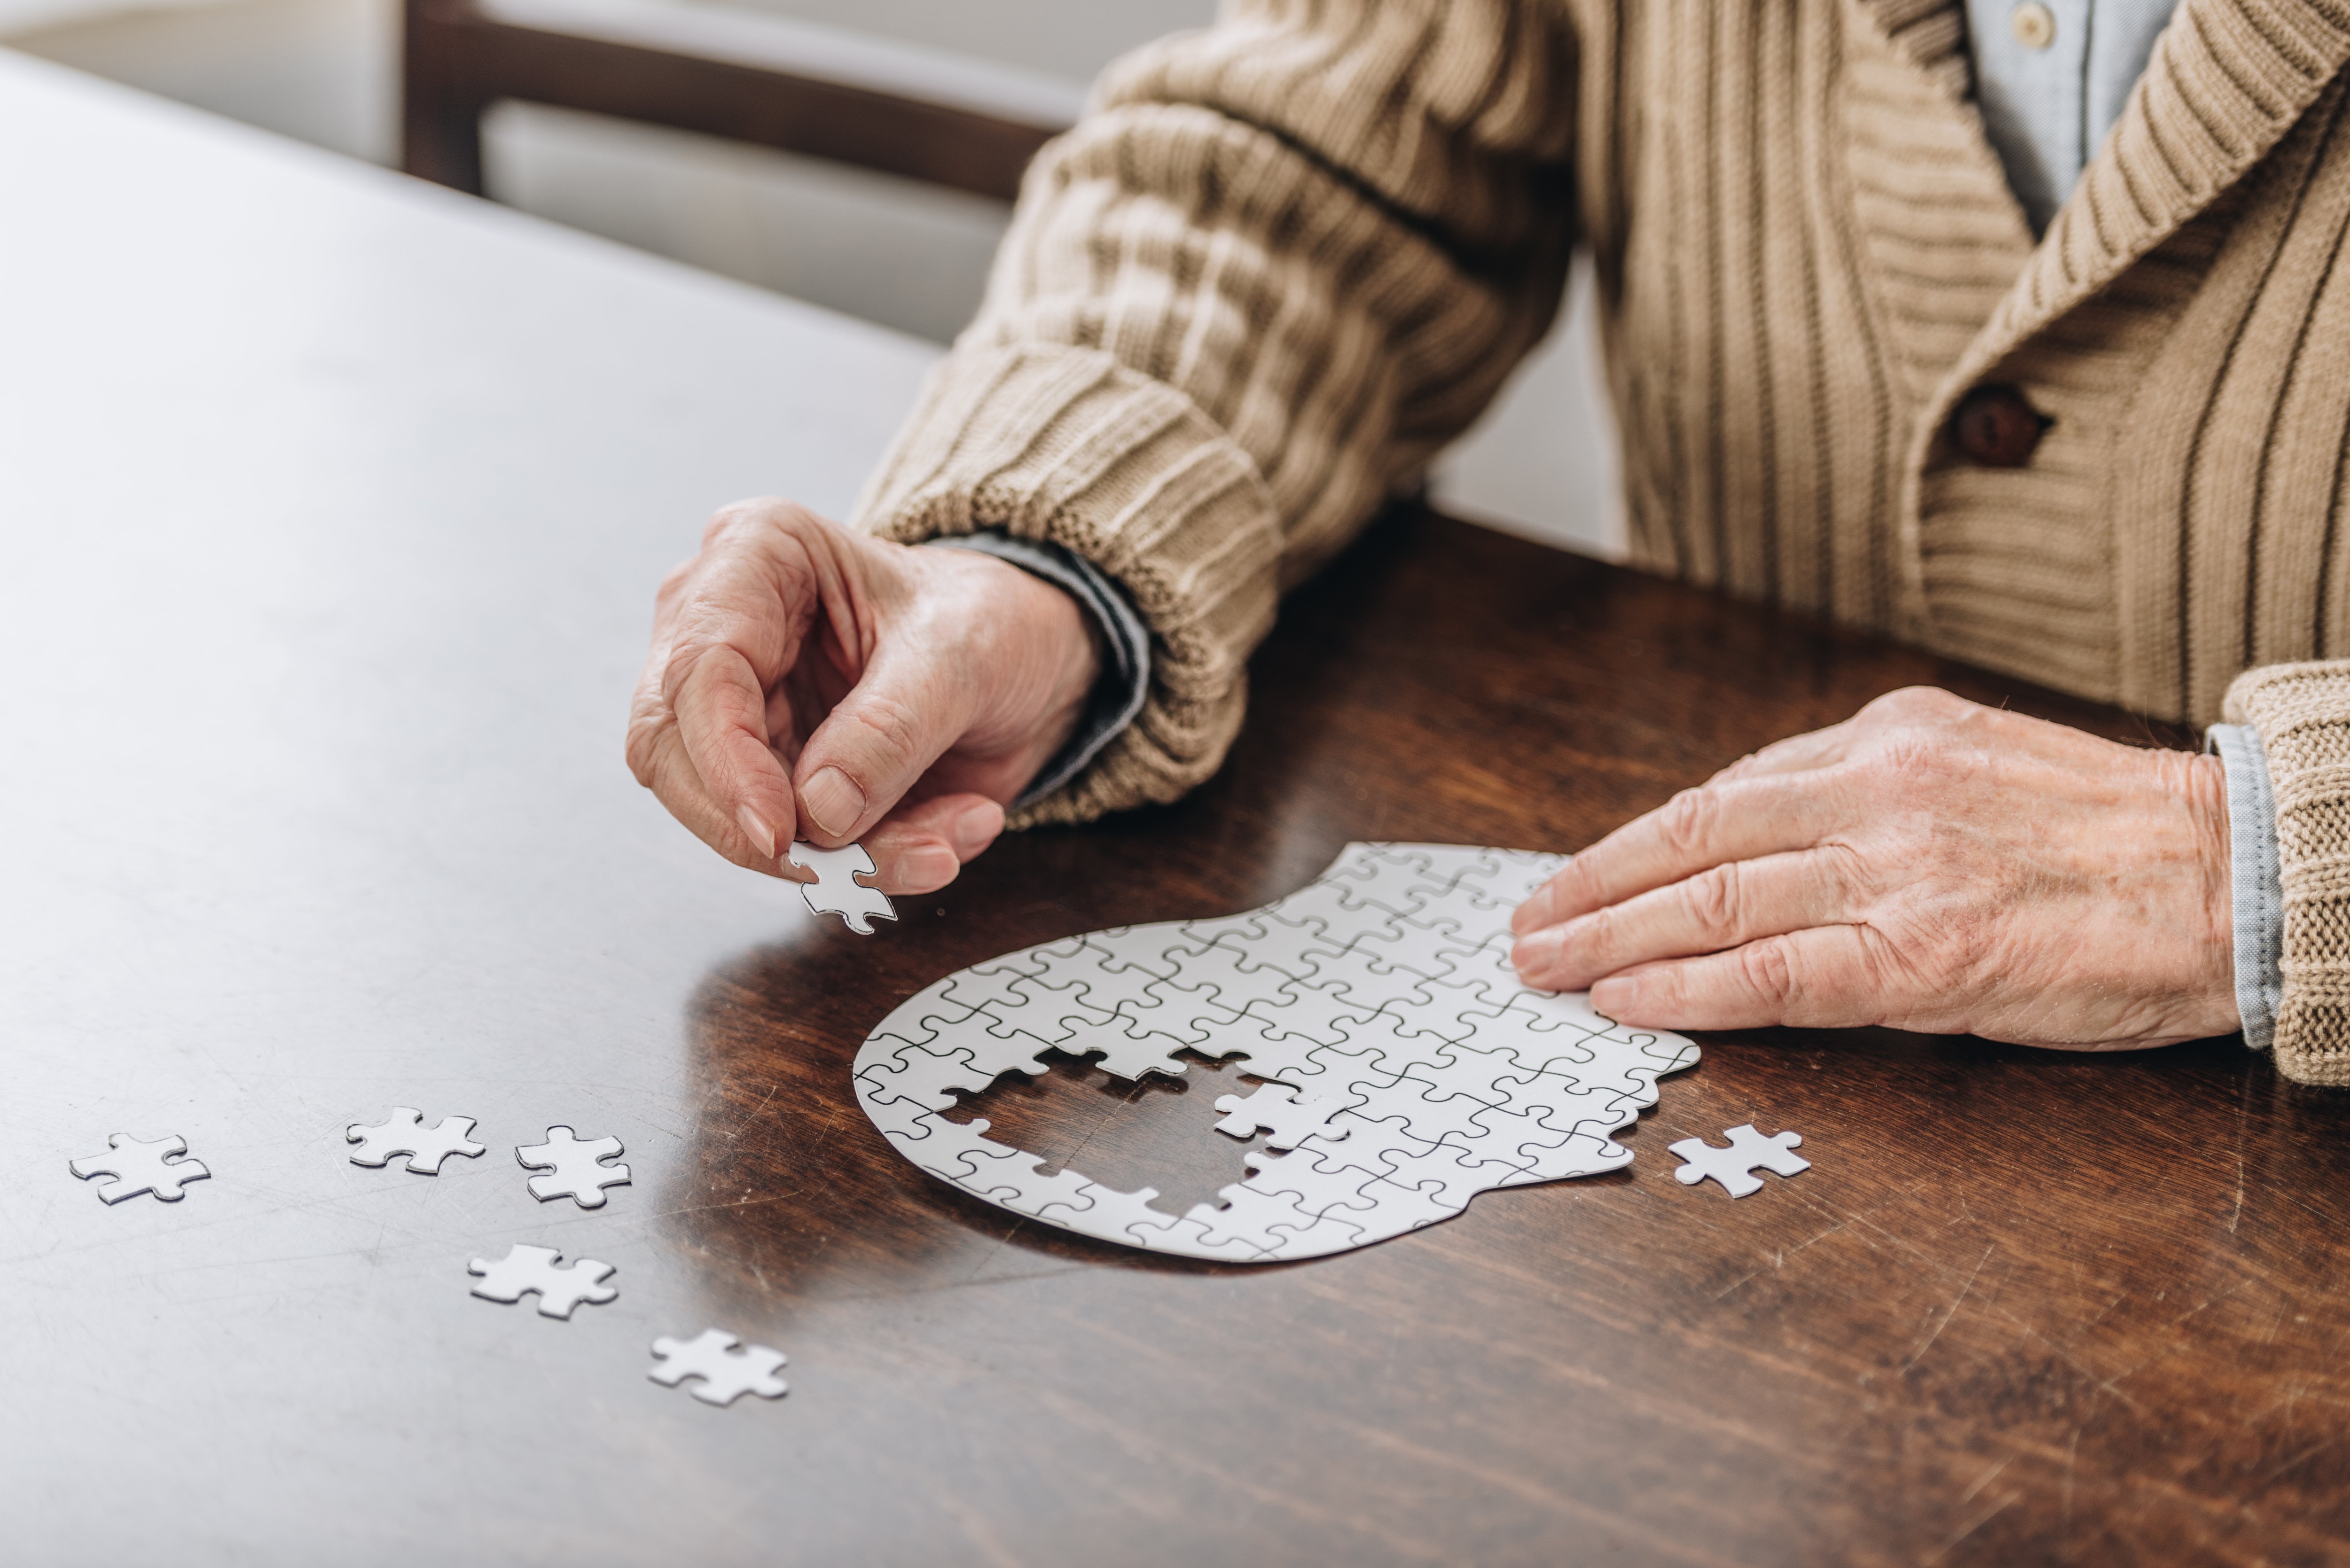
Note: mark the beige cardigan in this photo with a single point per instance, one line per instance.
(1284, 261)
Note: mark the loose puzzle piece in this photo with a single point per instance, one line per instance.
(1735, 1166)
(1289, 1116)
(837, 890)
(575, 1166)
(406, 1133)
(526, 1268)
(726, 1373)
(139, 1166)
(1403, 1067)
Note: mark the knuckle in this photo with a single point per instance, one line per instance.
(673, 582)
(1911, 704)
(1845, 867)
(729, 519)
(1685, 822)
(1576, 887)
(684, 657)
(644, 741)
(892, 728)
(758, 516)
(1921, 719)
(1598, 935)
(1737, 769)
(1712, 899)
(1768, 967)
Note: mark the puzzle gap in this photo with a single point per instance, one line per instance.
(1156, 1131)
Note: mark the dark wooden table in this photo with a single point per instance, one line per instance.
(315, 807)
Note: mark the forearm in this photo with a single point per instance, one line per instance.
(1251, 294)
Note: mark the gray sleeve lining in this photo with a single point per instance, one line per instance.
(1125, 681)
(2259, 891)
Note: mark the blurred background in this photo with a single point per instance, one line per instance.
(904, 253)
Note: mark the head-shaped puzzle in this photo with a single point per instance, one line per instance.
(1404, 1069)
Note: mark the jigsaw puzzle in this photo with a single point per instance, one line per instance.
(575, 1166)
(1404, 1068)
(837, 890)
(726, 1373)
(140, 1166)
(406, 1133)
(560, 1288)
(1735, 1166)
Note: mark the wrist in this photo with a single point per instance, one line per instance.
(2206, 794)
(1066, 654)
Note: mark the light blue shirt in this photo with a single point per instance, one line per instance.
(2048, 105)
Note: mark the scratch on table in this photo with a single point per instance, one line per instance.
(1986, 1517)
(769, 1098)
(1950, 1311)
(1984, 1479)
(2239, 1213)
(1779, 1258)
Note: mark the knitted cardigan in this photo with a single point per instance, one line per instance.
(1281, 262)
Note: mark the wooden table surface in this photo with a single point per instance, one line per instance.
(329, 514)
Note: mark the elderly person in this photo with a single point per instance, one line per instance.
(2021, 331)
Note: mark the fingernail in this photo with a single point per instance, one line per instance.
(928, 867)
(762, 835)
(833, 803)
(1616, 994)
(974, 827)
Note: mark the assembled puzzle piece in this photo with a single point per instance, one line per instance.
(1400, 1057)
(526, 1268)
(726, 1373)
(406, 1133)
(1289, 1116)
(139, 1166)
(575, 1165)
(837, 890)
(1735, 1166)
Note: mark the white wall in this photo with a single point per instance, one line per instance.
(892, 251)
(323, 71)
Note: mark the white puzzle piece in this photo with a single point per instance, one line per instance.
(1735, 1166)
(1286, 1115)
(405, 1133)
(837, 890)
(726, 1373)
(527, 1269)
(574, 1167)
(138, 1165)
(1402, 1068)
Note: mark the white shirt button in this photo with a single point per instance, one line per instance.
(2034, 24)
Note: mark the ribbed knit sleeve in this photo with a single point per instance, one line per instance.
(1278, 265)
(2303, 714)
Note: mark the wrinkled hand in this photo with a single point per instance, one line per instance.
(1929, 864)
(808, 681)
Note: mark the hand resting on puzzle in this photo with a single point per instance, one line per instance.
(809, 681)
(1930, 865)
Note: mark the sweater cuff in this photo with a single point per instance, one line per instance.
(2302, 714)
(1125, 681)
(1068, 447)
(2258, 894)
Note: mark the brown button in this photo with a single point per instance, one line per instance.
(1996, 428)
